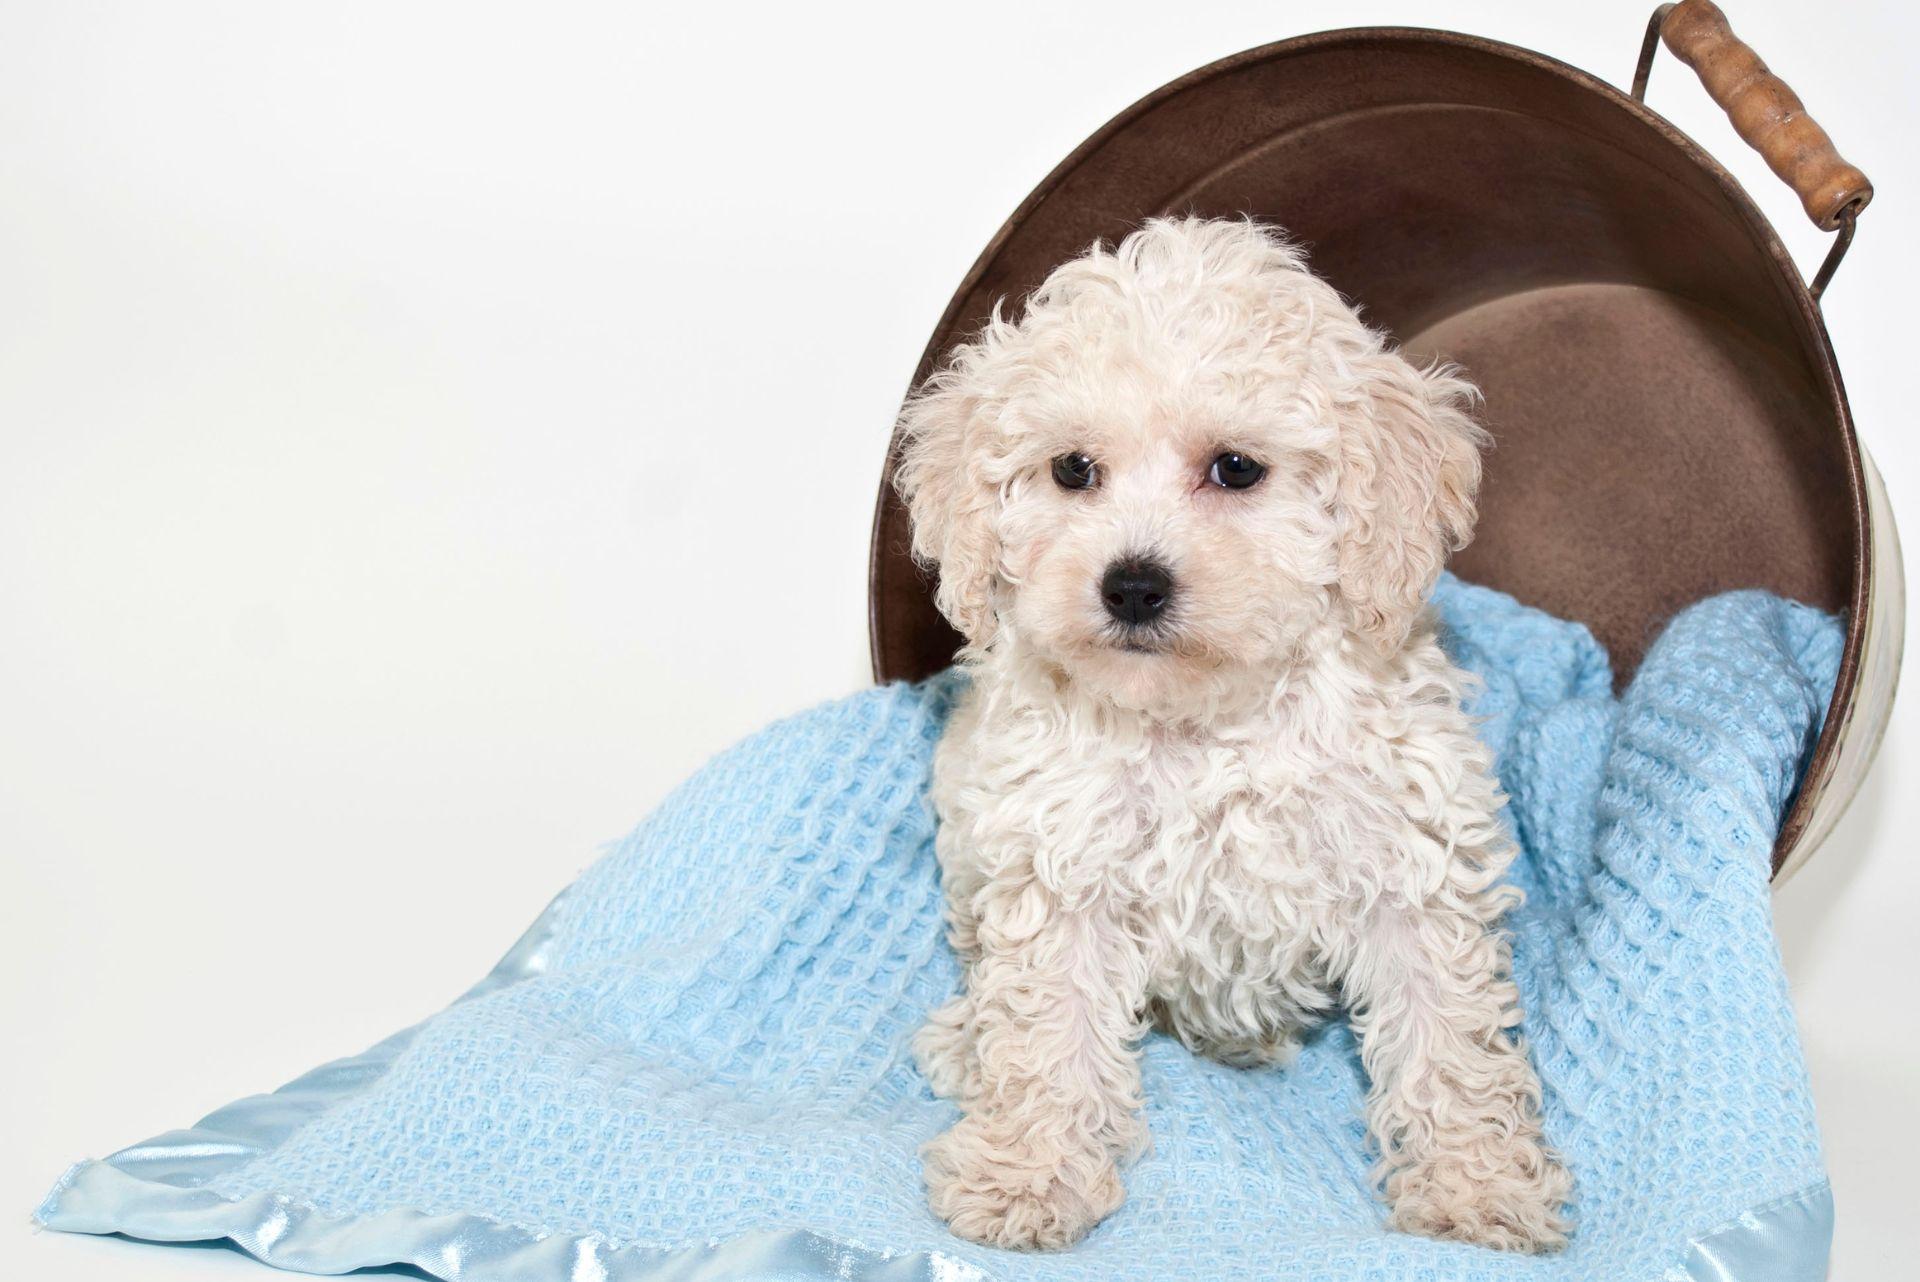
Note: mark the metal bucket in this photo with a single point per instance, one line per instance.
(1669, 421)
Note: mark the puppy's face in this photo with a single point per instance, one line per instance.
(1186, 455)
(1168, 520)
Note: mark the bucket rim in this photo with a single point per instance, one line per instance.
(1804, 309)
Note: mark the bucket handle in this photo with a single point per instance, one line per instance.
(1767, 114)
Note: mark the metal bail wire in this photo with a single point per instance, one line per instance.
(1643, 69)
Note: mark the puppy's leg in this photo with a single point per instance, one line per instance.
(943, 1048)
(1454, 1104)
(1051, 1102)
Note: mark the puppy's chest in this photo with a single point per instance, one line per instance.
(1227, 868)
(1212, 821)
(1166, 825)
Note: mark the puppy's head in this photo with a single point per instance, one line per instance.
(1185, 455)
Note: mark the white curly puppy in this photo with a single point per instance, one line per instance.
(1211, 770)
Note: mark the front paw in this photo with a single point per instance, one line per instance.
(1506, 1194)
(999, 1185)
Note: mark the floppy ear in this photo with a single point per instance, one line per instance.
(1410, 467)
(951, 503)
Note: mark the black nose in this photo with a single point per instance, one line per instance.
(1136, 591)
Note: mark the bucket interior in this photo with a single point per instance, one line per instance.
(1666, 418)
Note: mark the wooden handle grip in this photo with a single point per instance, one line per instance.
(1765, 112)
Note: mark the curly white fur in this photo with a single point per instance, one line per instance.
(1281, 809)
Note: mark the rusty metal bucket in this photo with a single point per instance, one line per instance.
(1669, 420)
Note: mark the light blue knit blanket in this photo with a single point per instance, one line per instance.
(695, 1064)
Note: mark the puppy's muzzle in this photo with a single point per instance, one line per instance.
(1136, 590)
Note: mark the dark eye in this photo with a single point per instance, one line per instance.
(1235, 471)
(1074, 472)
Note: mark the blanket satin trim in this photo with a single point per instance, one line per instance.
(1784, 1241)
(153, 1191)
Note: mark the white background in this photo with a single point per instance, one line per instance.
(427, 432)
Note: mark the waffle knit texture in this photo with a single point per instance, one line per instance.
(717, 1043)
